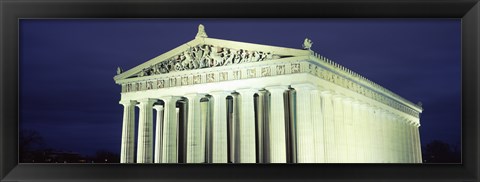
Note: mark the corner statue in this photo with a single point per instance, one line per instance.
(307, 44)
(119, 70)
(201, 32)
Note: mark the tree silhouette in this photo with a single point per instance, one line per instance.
(440, 152)
(104, 156)
(30, 145)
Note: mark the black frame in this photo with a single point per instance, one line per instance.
(467, 10)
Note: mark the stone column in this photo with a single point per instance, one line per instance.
(387, 147)
(194, 129)
(363, 113)
(404, 140)
(355, 135)
(372, 128)
(158, 134)
(236, 128)
(170, 128)
(205, 124)
(414, 142)
(145, 131)
(329, 128)
(304, 126)
(262, 134)
(219, 127)
(347, 130)
(396, 139)
(338, 126)
(277, 150)
(318, 126)
(418, 148)
(246, 126)
(409, 142)
(128, 132)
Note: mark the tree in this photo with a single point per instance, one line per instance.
(440, 152)
(30, 144)
(104, 156)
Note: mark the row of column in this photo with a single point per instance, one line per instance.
(198, 143)
(357, 132)
(303, 125)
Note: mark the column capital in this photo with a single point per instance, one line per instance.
(326, 92)
(338, 96)
(127, 102)
(347, 99)
(303, 86)
(277, 88)
(193, 96)
(170, 98)
(148, 100)
(410, 122)
(245, 91)
(220, 94)
(356, 102)
(158, 107)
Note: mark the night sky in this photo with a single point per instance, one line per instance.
(68, 95)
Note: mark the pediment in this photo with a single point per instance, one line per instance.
(202, 53)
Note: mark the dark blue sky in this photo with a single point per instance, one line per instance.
(68, 95)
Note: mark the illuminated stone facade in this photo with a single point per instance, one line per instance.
(221, 101)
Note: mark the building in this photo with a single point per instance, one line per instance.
(220, 101)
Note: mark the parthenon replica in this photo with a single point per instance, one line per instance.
(220, 101)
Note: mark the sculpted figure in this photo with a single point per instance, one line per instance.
(197, 53)
(201, 32)
(163, 68)
(156, 69)
(216, 58)
(178, 67)
(269, 56)
(119, 70)
(238, 56)
(256, 56)
(243, 56)
(307, 44)
(183, 61)
(205, 58)
(192, 64)
(171, 64)
(142, 73)
(229, 56)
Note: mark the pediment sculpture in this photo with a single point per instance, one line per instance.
(206, 56)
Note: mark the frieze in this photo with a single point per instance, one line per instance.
(347, 83)
(251, 73)
(206, 56)
(223, 76)
(160, 84)
(185, 80)
(280, 69)
(210, 77)
(149, 85)
(267, 71)
(197, 79)
(295, 68)
(237, 75)
(173, 82)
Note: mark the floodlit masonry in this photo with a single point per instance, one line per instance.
(220, 101)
